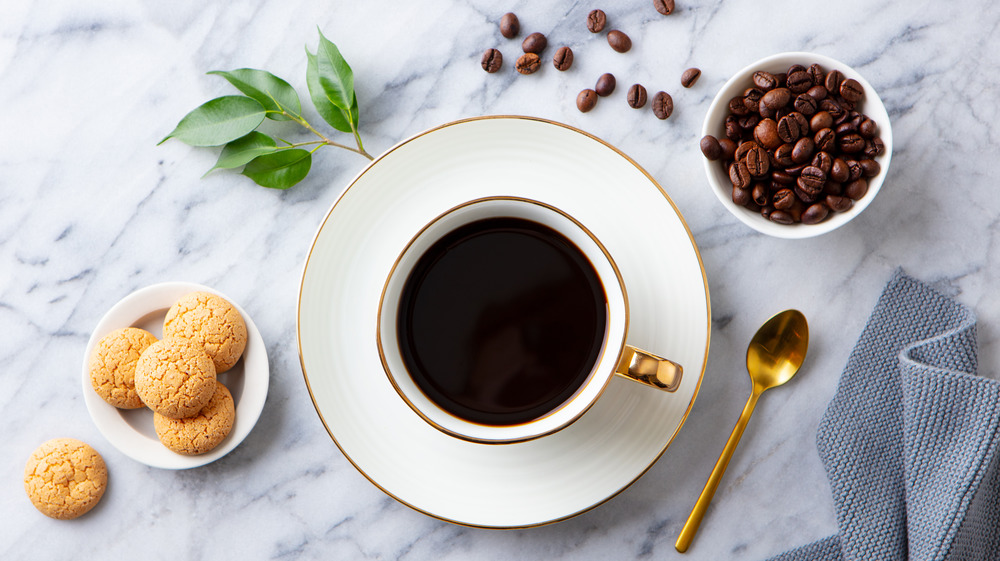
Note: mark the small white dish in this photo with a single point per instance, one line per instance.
(870, 105)
(131, 431)
(518, 484)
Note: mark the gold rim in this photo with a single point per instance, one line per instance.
(701, 265)
(607, 380)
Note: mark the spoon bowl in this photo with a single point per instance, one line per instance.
(775, 354)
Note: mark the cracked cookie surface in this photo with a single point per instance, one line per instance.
(212, 321)
(112, 366)
(202, 432)
(65, 478)
(175, 377)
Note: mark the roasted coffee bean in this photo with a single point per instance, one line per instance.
(764, 80)
(737, 106)
(690, 76)
(780, 177)
(870, 150)
(799, 81)
(851, 143)
(806, 196)
(759, 194)
(665, 7)
(739, 175)
(818, 93)
(528, 63)
(534, 43)
(765, 111)
(777, 98)
(801, 120)
(878, 146)
(781, 217)
(845, 128)
(605, 84)
(728, 148)
(812, 179)
(734, 131)
(856, 170)
(757, 161)
(815, 213)
(742, 149)
(833, 108)
(816, 73)
(492, 60)
(563, 59)
(803, 150)
(783, 155)
(846, 104)
(663, 105)
(741, 196)
(781, 78)
(838, 203)
(833, 80)
(839, 171)
(851, 90)
(823, 161)
(868, 128)
(596, 20)
(709, 144)
(796, 68)
(752, 97)
(586, 100)
(509, 25)
(869, 168)
(833, 188)
(619, 41)
(796, 169)
(821, 120)
(825, 140)
(636, 96)
(783, 199)
(788, 129)
(805, 104)
(766, 133)
(856, 189)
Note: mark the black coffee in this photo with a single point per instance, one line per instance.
(501, 321)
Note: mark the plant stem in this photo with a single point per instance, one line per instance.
(324, 140)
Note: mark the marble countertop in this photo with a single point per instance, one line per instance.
(92, 209)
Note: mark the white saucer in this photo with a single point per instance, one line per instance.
(505, 485)
(131, 431)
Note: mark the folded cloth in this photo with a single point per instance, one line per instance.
(911, 439)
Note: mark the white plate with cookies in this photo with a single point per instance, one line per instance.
(137, 322)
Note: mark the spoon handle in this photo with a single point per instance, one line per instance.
(694, 520)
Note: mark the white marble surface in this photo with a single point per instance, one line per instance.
(91, 209)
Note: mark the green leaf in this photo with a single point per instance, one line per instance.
(337, 118)
(219, 121)
(281, 169)
(335, 75)
(240, 151)
(267, 89)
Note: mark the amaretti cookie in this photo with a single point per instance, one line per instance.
(202, 432)
(65, 478)
(175, 377)
(213, 322)
(112, 365)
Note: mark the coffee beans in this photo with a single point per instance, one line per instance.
(534, 43)
(605, 85)
(509, 25)
(492, 60)
(637, 99)
(663, 105)
(586, 100)
(619, 41)
(690, 76)
(796, 149)
(596, 20)
(528, 63)
(563, 59)
(665, 7)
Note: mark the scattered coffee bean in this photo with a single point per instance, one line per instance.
(710, 146)
(509, 25)
(492, 60)
(528, 63)
(619, 41)
(690, 76)
(797, 148)
(663, 105)
(563, 59)
(605, 85)
(637, 98)
(665, 7)
(596, 20)
(586, 100)
(534, 43)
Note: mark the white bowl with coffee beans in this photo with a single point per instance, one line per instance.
(796, 144)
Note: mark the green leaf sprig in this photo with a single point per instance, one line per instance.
(231, 121)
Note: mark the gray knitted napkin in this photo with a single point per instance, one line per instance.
(911, 439)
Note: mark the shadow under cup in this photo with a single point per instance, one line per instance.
(504, 319)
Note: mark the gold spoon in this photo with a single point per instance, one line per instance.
(775, 354)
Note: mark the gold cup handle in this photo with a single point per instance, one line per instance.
(648, 369)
